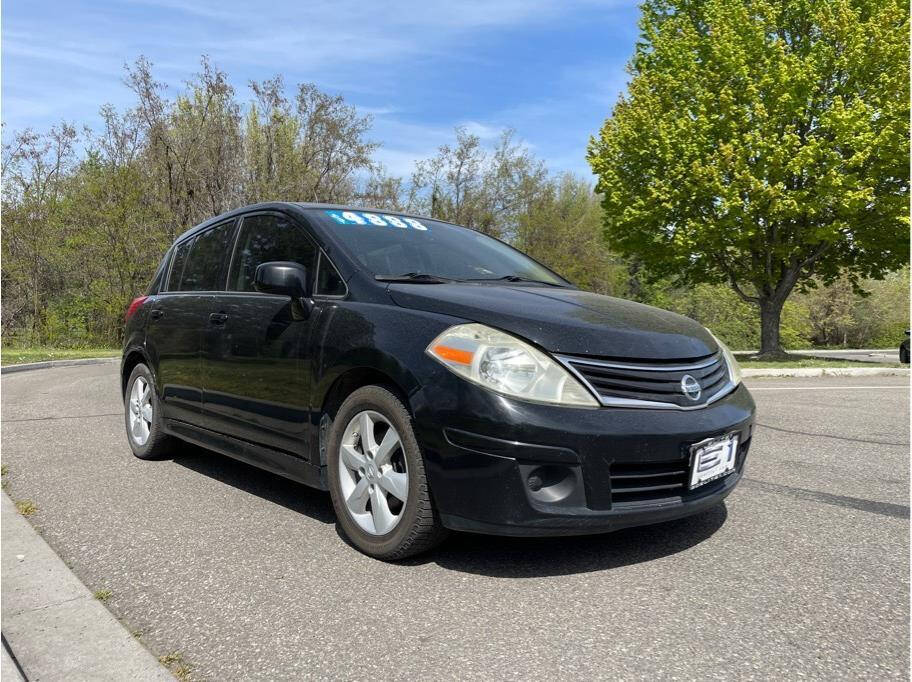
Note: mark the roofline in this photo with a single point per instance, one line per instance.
(299, 205)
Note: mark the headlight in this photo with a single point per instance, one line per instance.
(503, 363)
(734, 369)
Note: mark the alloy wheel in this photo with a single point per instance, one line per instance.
(373, 473)
(140, 407)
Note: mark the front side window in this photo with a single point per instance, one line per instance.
(203, 271)
(265, 238)
(394, 245)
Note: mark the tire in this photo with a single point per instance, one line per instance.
(157, 445)
(417, 527)
(904, 355)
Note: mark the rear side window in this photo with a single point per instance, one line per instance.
(265, 238)
(177, 265)
(204, 268)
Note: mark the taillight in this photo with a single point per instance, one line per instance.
(134, 306)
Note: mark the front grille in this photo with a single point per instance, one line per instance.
(642, 481)
(650, 383)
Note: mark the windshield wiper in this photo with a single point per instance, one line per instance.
(415, 277)
(516, 278)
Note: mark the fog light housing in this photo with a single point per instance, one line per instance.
(552, 483)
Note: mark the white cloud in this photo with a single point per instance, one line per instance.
(65, 68)
(482, 131)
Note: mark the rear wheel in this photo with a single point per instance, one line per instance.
(142, 414)
(377, 480)
(904, 354)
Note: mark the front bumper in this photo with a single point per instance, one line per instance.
(595, 470)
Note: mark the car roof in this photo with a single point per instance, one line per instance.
(294, 205)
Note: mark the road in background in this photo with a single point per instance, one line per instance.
(803, 572)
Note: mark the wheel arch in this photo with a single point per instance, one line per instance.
(342, 386)
(131, 358)
(357, 377)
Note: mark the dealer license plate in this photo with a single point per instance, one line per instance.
(712, 459)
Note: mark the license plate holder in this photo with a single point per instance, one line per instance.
(711, 459)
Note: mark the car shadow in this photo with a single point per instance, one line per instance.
(509, 557)
(300, 498)
(493, 556)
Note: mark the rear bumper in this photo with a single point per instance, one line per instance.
(486, 454)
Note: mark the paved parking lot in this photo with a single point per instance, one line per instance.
(802, 573)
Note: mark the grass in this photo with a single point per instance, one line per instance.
(18, 356)
(102, 595)
(26, 507)
(175, 663)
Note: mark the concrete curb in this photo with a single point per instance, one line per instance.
(9, 671)
(47, 364)
(826, 372)
(54, 626)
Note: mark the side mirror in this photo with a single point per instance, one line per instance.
(283, 278)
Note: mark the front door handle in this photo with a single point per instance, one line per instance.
(156, 314)
(218, 318)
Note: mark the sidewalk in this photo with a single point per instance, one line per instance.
(54, 626)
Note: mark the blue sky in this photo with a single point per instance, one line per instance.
(551, 70)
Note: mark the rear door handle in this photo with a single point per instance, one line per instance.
(218, 318)
(156, 314)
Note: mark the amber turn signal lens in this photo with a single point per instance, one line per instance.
(463, 357)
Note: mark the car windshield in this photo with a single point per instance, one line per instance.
(394, 245)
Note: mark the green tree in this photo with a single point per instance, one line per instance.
(840, 317)
(762, 143)
(35, 173)
(562, 229)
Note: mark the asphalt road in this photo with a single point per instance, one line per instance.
(802, 573)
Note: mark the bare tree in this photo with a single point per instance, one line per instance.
(486, 190)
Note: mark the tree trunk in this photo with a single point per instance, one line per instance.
(770, 317)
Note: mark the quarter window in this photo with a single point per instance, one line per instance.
(329, 281)
(177, 264)
(203, 271)
(265, 238)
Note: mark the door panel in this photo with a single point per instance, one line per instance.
(179, 318)
(173, 338)
(256, 383)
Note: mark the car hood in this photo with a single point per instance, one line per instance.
(565, 320)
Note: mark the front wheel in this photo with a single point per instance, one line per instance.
(904, 355)
(377, 480)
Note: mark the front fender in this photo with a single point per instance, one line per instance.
(384, 338)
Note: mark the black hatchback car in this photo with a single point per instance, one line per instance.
(430, 377)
